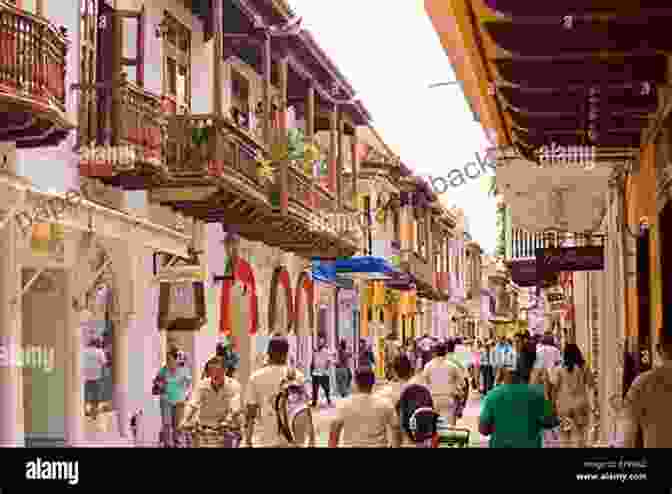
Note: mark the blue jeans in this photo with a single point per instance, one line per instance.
(93, 391)
(343, 379)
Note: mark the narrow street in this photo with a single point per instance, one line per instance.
(324, 415)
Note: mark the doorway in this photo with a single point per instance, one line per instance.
(666, 264)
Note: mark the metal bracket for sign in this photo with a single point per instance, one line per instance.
(93, 281)
(24, 289)
(9, 215)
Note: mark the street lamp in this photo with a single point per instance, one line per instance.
(438, 84)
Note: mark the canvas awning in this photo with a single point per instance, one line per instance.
(366, 267)
(325, 272)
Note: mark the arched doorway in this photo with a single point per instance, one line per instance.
(280, 316)
(304, 320)
(243, 275)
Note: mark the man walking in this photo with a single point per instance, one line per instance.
(262, 391)
(320, 372)
(366, 420)
(648, 400)
(445, 380)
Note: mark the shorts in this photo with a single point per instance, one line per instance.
(168, 413)
(93, 390)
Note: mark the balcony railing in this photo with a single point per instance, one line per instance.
(32, 66)
(129, 137)
(205, 147)
(421, 269)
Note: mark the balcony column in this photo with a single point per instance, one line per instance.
(11, 375)
(268, 117)
(340, 162)
(333, 149)
(284, 164)
(310, 134)
(217, 45)
(428, 236)
(354, 144)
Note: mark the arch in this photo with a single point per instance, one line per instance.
(304, 285)
(243, 273)
(280, 278)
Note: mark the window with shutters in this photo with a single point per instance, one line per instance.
(88, 58)
(177, 63)
(111, 42)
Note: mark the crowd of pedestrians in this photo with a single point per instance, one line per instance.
(532, 395)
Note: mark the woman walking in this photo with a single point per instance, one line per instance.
(343, 372)
(572, 383)
(171, 385)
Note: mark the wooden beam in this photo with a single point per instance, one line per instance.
(333, 149)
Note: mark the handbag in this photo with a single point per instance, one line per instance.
(158, 385)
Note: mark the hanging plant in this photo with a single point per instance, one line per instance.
(200, 135)
(392, 297)
(264, 167)
(381, 216)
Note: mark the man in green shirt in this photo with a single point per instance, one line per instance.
(515, 413)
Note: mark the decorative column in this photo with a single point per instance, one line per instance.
(284, 164)
(354, 144)
(268, 114)
(340, 162)
(217, 46)
(11, 378)
(74, 379)
(310, 135)
(333, 148)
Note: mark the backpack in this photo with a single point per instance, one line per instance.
(290, 403)
(417, 416)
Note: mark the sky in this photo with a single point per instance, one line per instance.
(390, 53)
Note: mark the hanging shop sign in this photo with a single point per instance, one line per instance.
(555, 260)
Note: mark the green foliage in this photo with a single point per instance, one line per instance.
(295, 144)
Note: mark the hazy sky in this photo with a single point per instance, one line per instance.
(390, 53)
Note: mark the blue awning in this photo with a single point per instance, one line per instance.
(366, 267)
(325, 272)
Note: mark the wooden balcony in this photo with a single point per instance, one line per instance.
(125, 146)
(424, 274)
(220, 173)
(32, 79)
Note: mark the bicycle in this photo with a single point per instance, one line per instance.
(222, 435)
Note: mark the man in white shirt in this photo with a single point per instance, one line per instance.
(365, 419)
(445, 380)
(320, 367)
(215, 398)
(262, 390)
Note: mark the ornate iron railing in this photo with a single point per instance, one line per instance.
(32, 56)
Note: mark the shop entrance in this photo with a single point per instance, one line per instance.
(666, 264)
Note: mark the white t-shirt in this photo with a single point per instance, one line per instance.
(94, 361)
(213, 405)
(443, 377)
(262, 390)
(367, 420)
(548, 357)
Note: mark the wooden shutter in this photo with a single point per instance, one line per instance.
(164, 305)
(89, 22)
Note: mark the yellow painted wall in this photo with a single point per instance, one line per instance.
(641, 202)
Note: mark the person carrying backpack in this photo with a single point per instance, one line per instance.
(417, 416)
(278, 412)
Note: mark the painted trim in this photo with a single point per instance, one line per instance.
(280, 278)
(245, 275)
(304, 285)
